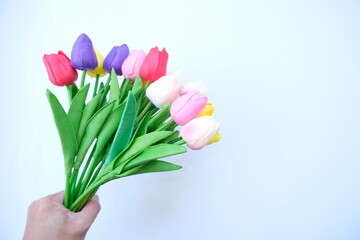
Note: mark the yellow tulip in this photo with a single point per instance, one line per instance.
(216, 138)
(208, 110)
(99, 69)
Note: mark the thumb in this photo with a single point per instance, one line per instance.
(90, 211)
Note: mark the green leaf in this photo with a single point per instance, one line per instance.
(153, 166)
(109, 129)
(159, 118)
(65, 130)
(143, 125)
(114, 88)
(74, 90)
(139, 145)
(88, 112)
(136, 89)
(92, 130)
(101, 87)
(171, 137)
(124, 89)
(125, 129)
(77, 107)
(155, 152)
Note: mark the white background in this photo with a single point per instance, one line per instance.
(284, 79)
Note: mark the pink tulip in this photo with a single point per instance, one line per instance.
(187, 107)
(198, 132)
(132, 64)
(163, 91)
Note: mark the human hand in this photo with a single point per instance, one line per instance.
(48, 219)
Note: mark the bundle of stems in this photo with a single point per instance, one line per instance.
(117, 133)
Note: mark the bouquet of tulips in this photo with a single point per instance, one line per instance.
(124, 127)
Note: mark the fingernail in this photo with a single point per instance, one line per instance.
(96, 198)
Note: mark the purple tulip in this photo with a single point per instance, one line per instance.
(116, 58)
(83, 56)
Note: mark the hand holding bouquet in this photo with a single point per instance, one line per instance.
(123, 128)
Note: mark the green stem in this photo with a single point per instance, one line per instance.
(72, 184)
(96, 173)
(83, 172)
(96, 84)
(70, 93)
(180, 142)
(82, 79)
(175, 140)
(85, 200)
(143, 112)
(165, 125)
(67, 191)
(106, 90)
(89, 174)
(87, 191)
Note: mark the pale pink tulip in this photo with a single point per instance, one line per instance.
(163, 91)
(198, 132)
(132, 64)
(187, 107)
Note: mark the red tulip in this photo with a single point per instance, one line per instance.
(59, 69)
(154, 65)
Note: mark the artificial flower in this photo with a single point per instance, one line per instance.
(199, 132)
(154, 65)
(163, 91)
(59, 69)
(115, 59)
(132, 64)
(187, 107)
(83, 56)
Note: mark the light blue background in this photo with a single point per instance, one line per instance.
(283, 76)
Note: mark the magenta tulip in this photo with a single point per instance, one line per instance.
(59, 69)
(187, 107)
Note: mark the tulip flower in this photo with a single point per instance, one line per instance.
(115, 59)
(154, 65)
(163, 91)
(99, 70)
(194, 86)
(199, 132)
(83, 56)
(187, 107)
(208, 110)
(132, 64)
(59, 69)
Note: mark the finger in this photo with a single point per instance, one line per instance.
(91, 210)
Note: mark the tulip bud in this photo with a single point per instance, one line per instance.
(187, 107)
(83, 56)
(163, 91)
(115, 59)
(208, 110)
(132, 64)
(154, 65)
(59, 69)
(194, 86)
(199, 132)
(99, 70)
